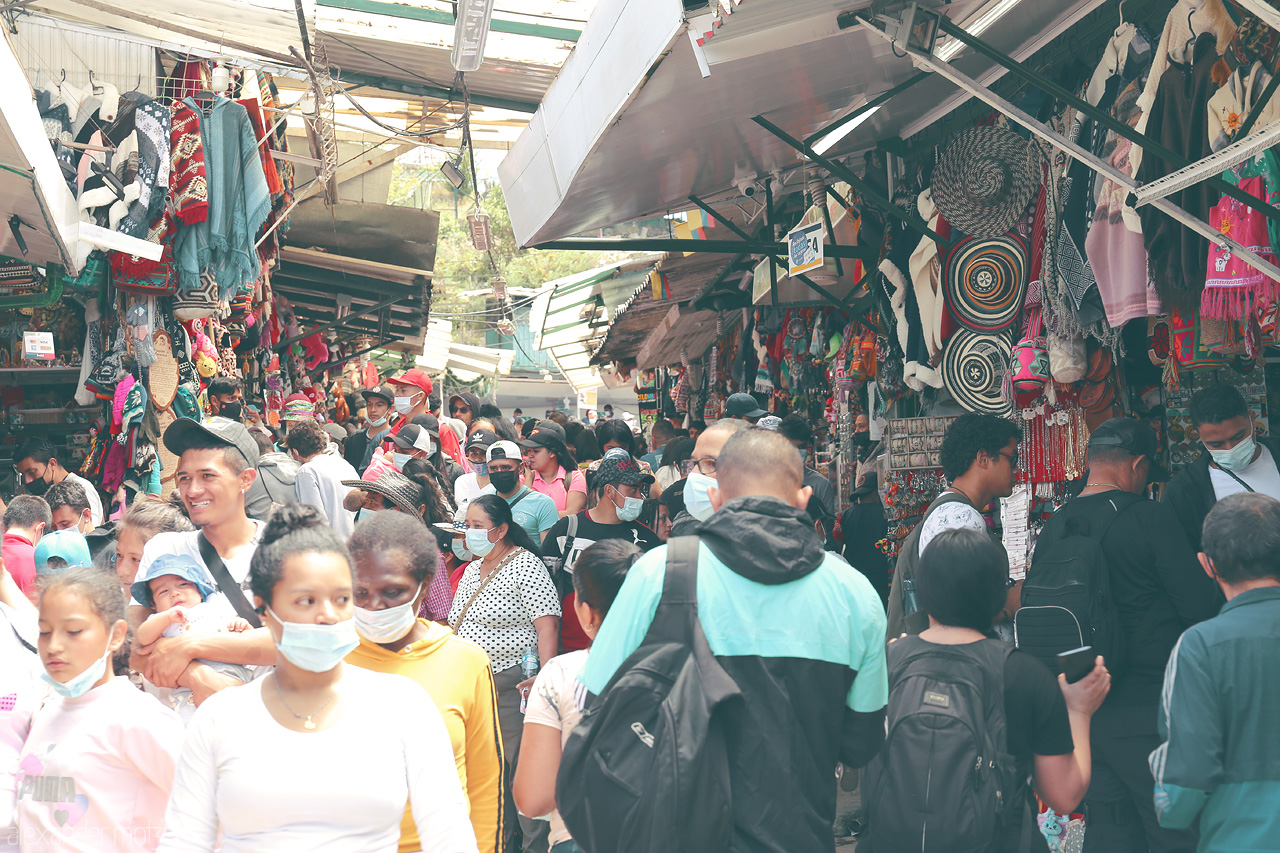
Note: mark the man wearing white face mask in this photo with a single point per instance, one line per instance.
(412, 393)
(1234, 460)
(702, 475)
(621, 486)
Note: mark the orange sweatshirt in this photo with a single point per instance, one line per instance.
(456, 674)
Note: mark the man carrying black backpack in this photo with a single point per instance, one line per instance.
(800, 636)
(1158, 590)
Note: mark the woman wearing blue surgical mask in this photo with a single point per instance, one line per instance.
(98, 762)
(395, 560)
(257, 758)
(506, 604)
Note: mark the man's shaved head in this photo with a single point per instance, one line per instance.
(760, 462)
(713, 437)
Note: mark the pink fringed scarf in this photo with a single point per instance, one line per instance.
(1232, 288)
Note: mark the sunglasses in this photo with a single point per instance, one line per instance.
(459, 410)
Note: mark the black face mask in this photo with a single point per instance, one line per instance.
(504, 481)
(37, 486)
(861, 439)
(232, 410)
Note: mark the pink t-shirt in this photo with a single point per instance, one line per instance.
(556, 489)
(95, 773)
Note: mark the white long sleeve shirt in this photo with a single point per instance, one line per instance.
(319, 484)
(340, 790)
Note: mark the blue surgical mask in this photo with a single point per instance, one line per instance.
(1237, 458)
(377, 422)
(313, 647)
(460, 550)
(478, 542)
(696, 500)
(399, 460)
(481, 468)
(630, 509)
(82, 683)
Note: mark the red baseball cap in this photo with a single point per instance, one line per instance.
(414, 377)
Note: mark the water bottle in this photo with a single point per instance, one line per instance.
(529, 662)
(528, 668)
(913, 618)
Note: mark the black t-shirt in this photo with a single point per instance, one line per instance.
(1034, 709)
(1158, 586)
(589, 532)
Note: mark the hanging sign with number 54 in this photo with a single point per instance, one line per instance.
(804, 249)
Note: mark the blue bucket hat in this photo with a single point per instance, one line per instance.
(181, 565)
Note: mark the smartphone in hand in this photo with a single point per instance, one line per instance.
(1077, 663)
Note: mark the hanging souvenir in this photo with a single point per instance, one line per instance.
(985, 179)
(1232, 286)
(986, 281)
(973, 369)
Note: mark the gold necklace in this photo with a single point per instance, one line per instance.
(306, 721)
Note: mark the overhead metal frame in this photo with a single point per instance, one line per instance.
(343, 321)
(1087, 158)
(1146, 143)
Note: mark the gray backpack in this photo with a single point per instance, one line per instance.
(943, 782)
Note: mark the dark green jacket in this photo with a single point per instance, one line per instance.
(1219, 719)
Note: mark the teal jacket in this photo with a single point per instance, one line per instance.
(1218, 717)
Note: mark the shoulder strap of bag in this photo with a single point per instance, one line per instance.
(22, 639)
(462, 614)
(570, 535)
(228, 586)
(677, 611)
(520, 497)
(1232, 475)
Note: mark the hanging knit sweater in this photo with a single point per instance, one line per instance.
(238, 203)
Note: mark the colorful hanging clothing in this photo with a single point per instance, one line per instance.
(189, 185)
(151, 122)
(260, 133)
(238, 203)
(1233, 287)
(1178, 120)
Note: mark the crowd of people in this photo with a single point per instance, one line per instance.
(676, 635)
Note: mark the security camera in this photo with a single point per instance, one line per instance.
(747, 187)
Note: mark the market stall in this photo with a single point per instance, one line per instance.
(1066, 219)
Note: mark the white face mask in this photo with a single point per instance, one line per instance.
(389, 624)
(404, 405)
(696, 500)
(398, 460)
(1236, 458)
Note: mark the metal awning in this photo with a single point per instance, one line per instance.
(393, 48)
(631, 128)
(572, 315)
(35, 202)
(369, 299)
(642, 322)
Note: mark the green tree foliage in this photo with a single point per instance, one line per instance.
(461, 273)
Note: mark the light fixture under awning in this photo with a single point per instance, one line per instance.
(441, 353)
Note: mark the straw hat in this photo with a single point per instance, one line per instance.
(985, 180)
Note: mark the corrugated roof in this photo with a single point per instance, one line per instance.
(636, 321)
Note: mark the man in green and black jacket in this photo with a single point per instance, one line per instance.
(1220, 760)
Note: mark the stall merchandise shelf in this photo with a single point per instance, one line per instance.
(37, 375)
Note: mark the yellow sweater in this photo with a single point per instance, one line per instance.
(456, 674)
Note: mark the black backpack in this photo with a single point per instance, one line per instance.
(944, 782)
(1066, 595)
(647, 766)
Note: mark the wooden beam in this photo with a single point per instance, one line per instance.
(356, 168)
